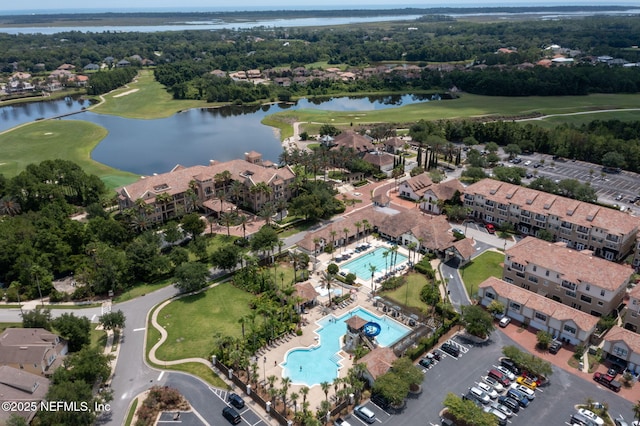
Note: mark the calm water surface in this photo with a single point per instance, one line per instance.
(192, 137)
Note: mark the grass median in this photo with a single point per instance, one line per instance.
(488, 264)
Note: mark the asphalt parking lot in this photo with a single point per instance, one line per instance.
(553, 404)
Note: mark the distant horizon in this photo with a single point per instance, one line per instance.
(159, 6)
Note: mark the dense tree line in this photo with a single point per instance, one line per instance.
(103, 81)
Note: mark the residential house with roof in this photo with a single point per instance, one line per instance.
(622, 347)
(351, 140)
(181, 189)
(415, 187)
(394, 145)
(574, 278)
(20, 385)
(383, 161)
(561, 321)
(608, 233)
(438, 193)
(631, 312)
(35, 350)
(377, 362)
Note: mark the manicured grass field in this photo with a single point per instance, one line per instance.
(192, 321)
(469, 106)
(57, 139)
(488, 264)
(409, 294)
(150, 100)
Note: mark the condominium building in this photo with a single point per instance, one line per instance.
(606, 232)
(573, 278)
(631, 313)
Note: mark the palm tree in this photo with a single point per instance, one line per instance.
(163, 199)
(333, 234)
(241, 321)
(316, 242)
(227, 219)
(385, 254)
(327, 280)
(411, 247)
(358, 225)
(294, 398)
(242, 222)
(266, 212)
(325, 388)
(237, 190)
(286, 382)
(304, 391)
(367, 227)
(190, 200)
(9, 206)
(346, 236)
(372, 269)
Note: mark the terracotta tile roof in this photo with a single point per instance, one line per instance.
(419, 184)
(584, 214)
(306, 291)
(631, 339)
(379, 159)
(381, 199)
(356, 323)
(635, 292)
(395, 142)
(434, 232)
(353, 140)
(574, 266)
(177, 180)
(378, 361)
(465, 247)
(214, 205)
(540, 303)
(446, 190)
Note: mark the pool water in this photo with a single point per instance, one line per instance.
(361, 265)
(319, 364)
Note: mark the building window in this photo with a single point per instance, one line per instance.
(585, 298)
(602, 292)
(588, 287)
(546, 273)
(620, 352)
(569, 329)
(515, 306)
(509, 280)
(540, 316)
(490, 295)
(600, 304)
(533, 279)
(535, 268)
(570, 293)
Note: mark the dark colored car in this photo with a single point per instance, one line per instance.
(509, 402)
(426, 362)
(471, 397)
(380, 401)
(235, 400)
(450, 349)
(231, 415)
(555, 347)
(518, 396)
(510, 365)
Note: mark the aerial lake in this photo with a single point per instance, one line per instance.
(191, 137)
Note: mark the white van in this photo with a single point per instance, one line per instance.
(365, 414)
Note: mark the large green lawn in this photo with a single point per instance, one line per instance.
(150, 100)
(409, 294)
(192, 321)
(57, 139)
(470, 106)
(488, 264)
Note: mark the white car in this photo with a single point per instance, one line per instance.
(488, 390)
(493, 383)
(506, 410)
(504, 322)
(506, 372)
(525, 390)
(527, 163)
(591, 415)
(480, 395)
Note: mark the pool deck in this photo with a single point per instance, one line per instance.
(276, 355)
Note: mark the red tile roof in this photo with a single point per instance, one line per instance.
(379, 361)
(631, 339)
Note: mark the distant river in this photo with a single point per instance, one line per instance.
(192, 137)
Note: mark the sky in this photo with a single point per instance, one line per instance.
(84, 5)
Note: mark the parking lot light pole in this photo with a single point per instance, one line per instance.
(264, 368)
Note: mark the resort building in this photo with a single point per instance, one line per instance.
(220, 186)
(631, 312)
(622, 347)
(431, 196)
(574, 278)
(608, 233)
(561, 321)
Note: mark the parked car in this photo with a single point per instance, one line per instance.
(504, 322)
(591, 415)
(426, 362)
(502, 418)
(525, 381)
(490, 228)
(341, 422)
(506, 372)
(471, 397)
(235, 400)
(231, 415)
(380, 401)
(607, 381)
(480, 395)
(451, 349)
(529, 393)
(619, 421)
(489, 390)
(510, 365)
(509, 402)
(518, 396)
(555, 347)
(435, 355)
(493, 383)
(506, 410)
(365, 414)
(500, 377)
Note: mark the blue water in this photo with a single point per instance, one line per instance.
(321, 363)
(360, 265)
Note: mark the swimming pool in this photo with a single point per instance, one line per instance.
(361, 265)
(321, 363)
